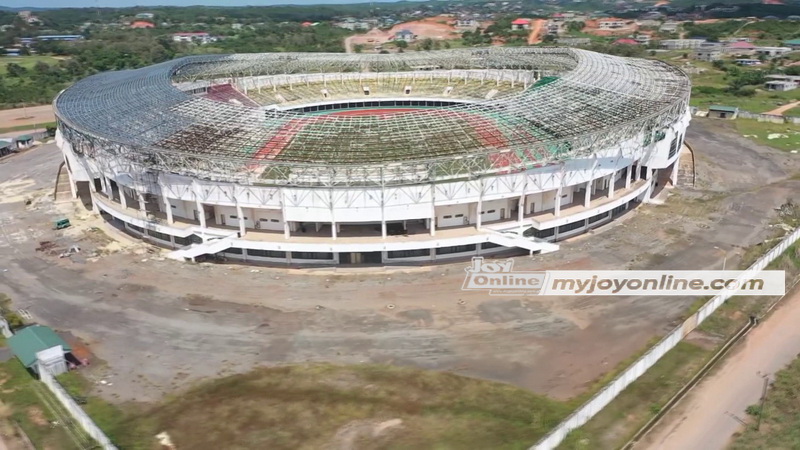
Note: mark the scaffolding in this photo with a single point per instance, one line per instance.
(524, 106)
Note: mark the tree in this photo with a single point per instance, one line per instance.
(718, 64)
(426, 44)
(14, 70)
(401, 44)
(358, 48)
(574, 26)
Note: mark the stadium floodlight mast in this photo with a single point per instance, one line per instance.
(550, 105)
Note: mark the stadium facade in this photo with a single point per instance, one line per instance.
(337, 159)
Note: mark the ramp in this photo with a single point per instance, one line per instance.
(206, 248)
(531, 244)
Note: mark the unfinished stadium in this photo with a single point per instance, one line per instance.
(373, 159)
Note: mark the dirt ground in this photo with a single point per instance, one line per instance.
(34, 115)
(160, 325)
(432, 27)
(782, 109)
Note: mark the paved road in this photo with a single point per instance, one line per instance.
(705, 419)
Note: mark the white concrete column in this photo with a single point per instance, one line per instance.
(432, 222)
(673, 177)
(201, 213)
(168, 207)
(628, 177)
(286, 229)
(383, 229)
(240, 215)
(333, 230)
(142, 203)
(557, 208)
(478, 213)
(611, 184)
(587, 196)
(122, 199)
(104, 185)
(521, 211)
(648, 174)
(432, 225)
(636, 172)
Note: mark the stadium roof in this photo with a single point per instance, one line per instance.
(567, 102)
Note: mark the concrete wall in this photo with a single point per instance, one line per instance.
(641, 365)
(75, 411)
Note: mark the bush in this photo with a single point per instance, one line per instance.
(707, 90)
(743, 92)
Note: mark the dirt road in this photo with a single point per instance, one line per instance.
(33, 115)
(705, 420)
(536, 31)
(782, 109)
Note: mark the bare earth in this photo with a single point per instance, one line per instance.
(782, 109)
(160, 325)
(432, 27)
(33, 115)
(705, 418)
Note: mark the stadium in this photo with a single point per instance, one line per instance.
(304, 158)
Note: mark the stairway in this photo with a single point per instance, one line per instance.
(686, 169)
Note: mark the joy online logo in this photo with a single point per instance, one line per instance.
(499, 278)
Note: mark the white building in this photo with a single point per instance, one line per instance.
(194, 37)
(681, 44)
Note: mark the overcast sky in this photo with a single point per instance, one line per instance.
(118, 3)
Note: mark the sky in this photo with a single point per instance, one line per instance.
(122, 3)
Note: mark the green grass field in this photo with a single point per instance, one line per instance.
(25, 61)
(760, 132)
(322, 405)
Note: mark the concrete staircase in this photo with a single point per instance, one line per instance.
(686, 169)
(209, 247)
(512, 239)
(62, 192)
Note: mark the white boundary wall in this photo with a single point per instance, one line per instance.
(638, 368)
(74, 410)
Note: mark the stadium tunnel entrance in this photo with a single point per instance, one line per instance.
(373, 258)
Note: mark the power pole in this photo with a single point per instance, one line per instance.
(763, 402)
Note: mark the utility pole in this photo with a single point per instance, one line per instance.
(763, 401)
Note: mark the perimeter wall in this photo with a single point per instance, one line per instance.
(635, 370)
(75, 410)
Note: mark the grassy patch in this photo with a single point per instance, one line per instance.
(321, 405)
(780, 426)
(760, 131)
(27, 127)
(25, 61)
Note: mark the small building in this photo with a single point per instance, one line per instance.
(669, 27)
(404, 35)
(748, 62)
(194, 37)
(145, 15)
(793, 44)
(643, 39)
(780, 86)
(307, 24)
(142, 24)
(573, 41)
(59, 37)
(6, 147)
(521, 24)
(38, 346)
(681, 44)
(740, 48)
(611, 23)
(772, 52)
(708, 54)
(723, 112)
(24, 141)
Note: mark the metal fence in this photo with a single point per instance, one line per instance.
(638, 368)
(74, 410)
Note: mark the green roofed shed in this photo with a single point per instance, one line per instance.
(730, 109)
(31, 340)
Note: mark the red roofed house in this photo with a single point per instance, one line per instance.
(142, 24)
(740, 48)
(521, 24)
(625, 42)
(306, 24)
